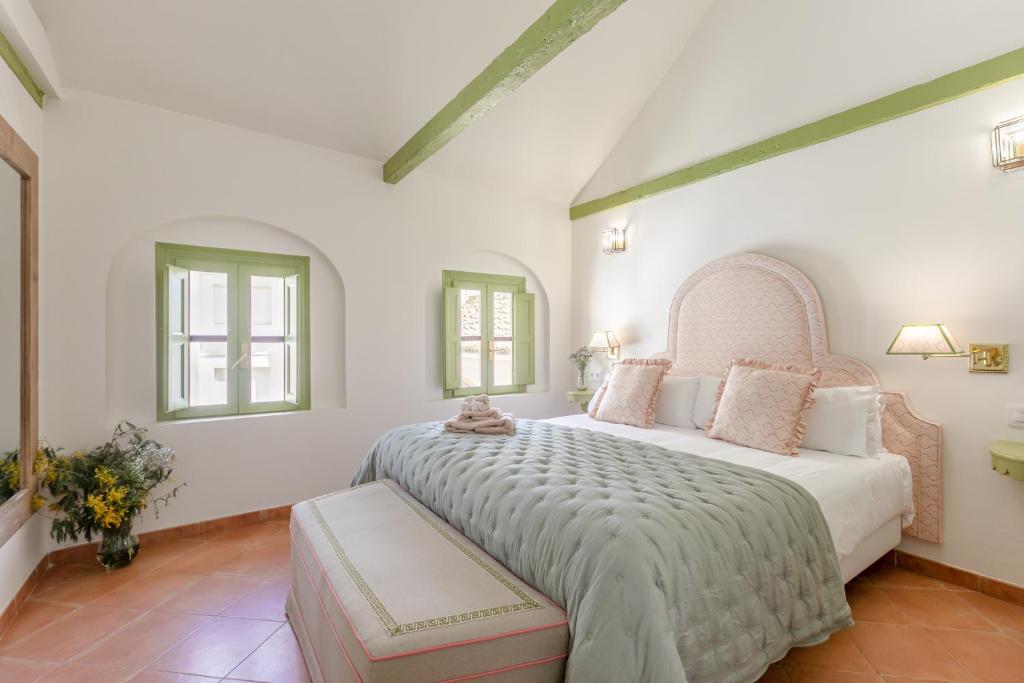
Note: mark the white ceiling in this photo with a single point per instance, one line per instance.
(362, 76)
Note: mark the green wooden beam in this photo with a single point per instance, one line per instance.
(942, 89)
(557, 29)
(8, 54)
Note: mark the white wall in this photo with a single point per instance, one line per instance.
(20, 554)
(904, 222)
(122, 175)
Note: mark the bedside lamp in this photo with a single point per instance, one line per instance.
(604, 340)
(934, 339)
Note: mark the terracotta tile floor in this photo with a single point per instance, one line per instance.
(212, 608)
(205, 609)
(912, 629)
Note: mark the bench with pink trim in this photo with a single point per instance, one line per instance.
(385, 591)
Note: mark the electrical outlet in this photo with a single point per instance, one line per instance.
(1015, 415)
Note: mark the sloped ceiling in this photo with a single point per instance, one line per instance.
(361, 77)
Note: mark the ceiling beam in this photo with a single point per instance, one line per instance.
(557, 29)
(913, 99)
(21, 72)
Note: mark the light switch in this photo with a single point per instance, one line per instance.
(1015, 415)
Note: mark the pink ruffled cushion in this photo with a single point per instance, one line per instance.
(631, 393)
(764, 406)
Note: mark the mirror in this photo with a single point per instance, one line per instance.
(10, 313)
(19, 343)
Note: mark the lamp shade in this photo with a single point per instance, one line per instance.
(603, 340)
(927, 339)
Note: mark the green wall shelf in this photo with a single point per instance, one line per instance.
(1008, 458)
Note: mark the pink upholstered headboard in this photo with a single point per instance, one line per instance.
(753, 306)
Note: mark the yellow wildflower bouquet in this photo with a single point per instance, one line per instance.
(102, 491)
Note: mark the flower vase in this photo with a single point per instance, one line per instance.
(118, 548)
(581, 379)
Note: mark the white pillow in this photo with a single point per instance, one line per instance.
(704, 405)
(875, 426)
(592, 403)
(675, 402)
(845, 420)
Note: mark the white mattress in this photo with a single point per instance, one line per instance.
(857, 495)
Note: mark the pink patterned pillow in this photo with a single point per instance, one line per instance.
(631, 393)
(764, 406)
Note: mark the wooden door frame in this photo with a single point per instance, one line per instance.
(16, 152)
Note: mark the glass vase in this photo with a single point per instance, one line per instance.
(581, 379)
(118, 548)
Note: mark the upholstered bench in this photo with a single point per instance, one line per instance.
(385, 591)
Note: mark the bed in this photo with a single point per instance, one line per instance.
(677, 557)
(866, 501)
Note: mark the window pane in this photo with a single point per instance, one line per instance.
(501, 329)
(267, 307)
(501, 314)
(291, 320)
(291, 369)
(220, 305)
(471, 364)
(469, 300)
(469, 323)
(208, 373)
(502, 363)
(176, 372)
(175, 311)
(208, 303)
(266, 364)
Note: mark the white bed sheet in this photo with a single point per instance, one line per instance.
(857, 495)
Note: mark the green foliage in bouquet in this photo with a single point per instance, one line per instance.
(102, 491)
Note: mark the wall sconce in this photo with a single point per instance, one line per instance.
(1008, 145)
(613, 240)
(934, 339)
(604, 340)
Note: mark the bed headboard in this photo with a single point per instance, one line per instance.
(753, 306)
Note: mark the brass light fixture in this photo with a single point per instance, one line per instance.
(604, 340)
(934, 339)
(613, 240)
(1008, 145)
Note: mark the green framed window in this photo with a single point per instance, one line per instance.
(232, 332)
(488, 334)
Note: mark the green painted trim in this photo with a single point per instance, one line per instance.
(561, 25)
(21, 72)
(245, 403)
(913, 99)
(233, 260)
(450, 277)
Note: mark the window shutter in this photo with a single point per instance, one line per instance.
(452, 339)
(523, 340)
(176, 360)
(291, 339)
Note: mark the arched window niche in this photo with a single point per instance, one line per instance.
(131, 310)
(497, 263)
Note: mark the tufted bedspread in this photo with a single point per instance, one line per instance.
(671, 567)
